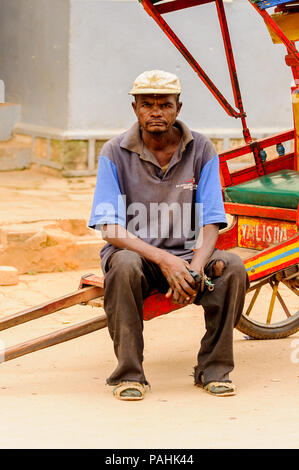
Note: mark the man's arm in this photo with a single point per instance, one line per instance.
(173, 268)
(203, 252)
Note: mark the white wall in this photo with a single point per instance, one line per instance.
(34, 37)
(2, 91)
(70, 63)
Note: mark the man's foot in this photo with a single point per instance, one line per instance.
(220, 389)
(129, 391)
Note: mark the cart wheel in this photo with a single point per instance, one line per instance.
(271, 306)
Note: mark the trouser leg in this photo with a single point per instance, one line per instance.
(223, 308)
(129, 279)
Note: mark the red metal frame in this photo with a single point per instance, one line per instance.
(268, 215)
(251, 210)
(179, 5)
(292, 59)
(156, 11)
(285, 162)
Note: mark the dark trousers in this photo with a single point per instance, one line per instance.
(129, 280)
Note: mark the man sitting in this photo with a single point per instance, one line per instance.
(158, 203)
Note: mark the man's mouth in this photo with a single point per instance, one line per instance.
(156, 123)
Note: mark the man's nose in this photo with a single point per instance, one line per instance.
(156, 110)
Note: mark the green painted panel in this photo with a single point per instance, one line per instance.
(279, 189)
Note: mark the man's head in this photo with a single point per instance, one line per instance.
(157, 102)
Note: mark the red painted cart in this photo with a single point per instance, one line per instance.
(261, 199)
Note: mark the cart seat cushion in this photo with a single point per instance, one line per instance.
(279, 189)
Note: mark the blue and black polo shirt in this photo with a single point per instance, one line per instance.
(133, 190)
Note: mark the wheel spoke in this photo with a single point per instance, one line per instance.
(291, 287)
(282, 316)
(273, 297)
(252, 302)
(287, 312)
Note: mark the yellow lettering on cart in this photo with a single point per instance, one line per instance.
(261, 233)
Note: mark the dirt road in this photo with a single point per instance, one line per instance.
(57, 397)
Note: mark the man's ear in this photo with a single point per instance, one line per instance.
(134, 106)
(179, 107)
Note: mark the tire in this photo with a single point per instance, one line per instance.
(279, 329)
(258, 330)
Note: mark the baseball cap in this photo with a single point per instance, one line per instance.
(156, 82)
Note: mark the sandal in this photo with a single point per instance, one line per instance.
(219, 389)
(129, 391)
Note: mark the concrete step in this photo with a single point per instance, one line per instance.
(9, 115)
(49, 246)
(14, 154)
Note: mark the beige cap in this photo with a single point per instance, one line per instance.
(156, 82)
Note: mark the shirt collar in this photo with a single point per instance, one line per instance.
(132, 140)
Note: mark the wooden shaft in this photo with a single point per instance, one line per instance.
(57, 337)
(272, 301)
(253, 300)
(82, 295)
(259, 284)
(282, 303)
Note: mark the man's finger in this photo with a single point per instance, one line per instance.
(191, 301)
(176, 296)
(190, 279)
(184, 300)
(179, 292)
(186, 287)
(169, 293)
(180, 287)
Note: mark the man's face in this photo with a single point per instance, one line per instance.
(156, 113)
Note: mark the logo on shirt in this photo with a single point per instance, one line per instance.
(190, 184)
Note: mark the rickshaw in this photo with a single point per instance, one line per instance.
(262, 201)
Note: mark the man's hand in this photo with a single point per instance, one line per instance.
(181, 283)
(182, 286)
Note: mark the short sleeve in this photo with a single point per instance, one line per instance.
(108, 204)
(209, 194)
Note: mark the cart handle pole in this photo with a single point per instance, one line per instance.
(60, 303)
(232, 67)
(153, 12)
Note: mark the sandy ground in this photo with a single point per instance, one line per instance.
(57, 397)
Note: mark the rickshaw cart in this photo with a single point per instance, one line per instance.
(262, 199)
